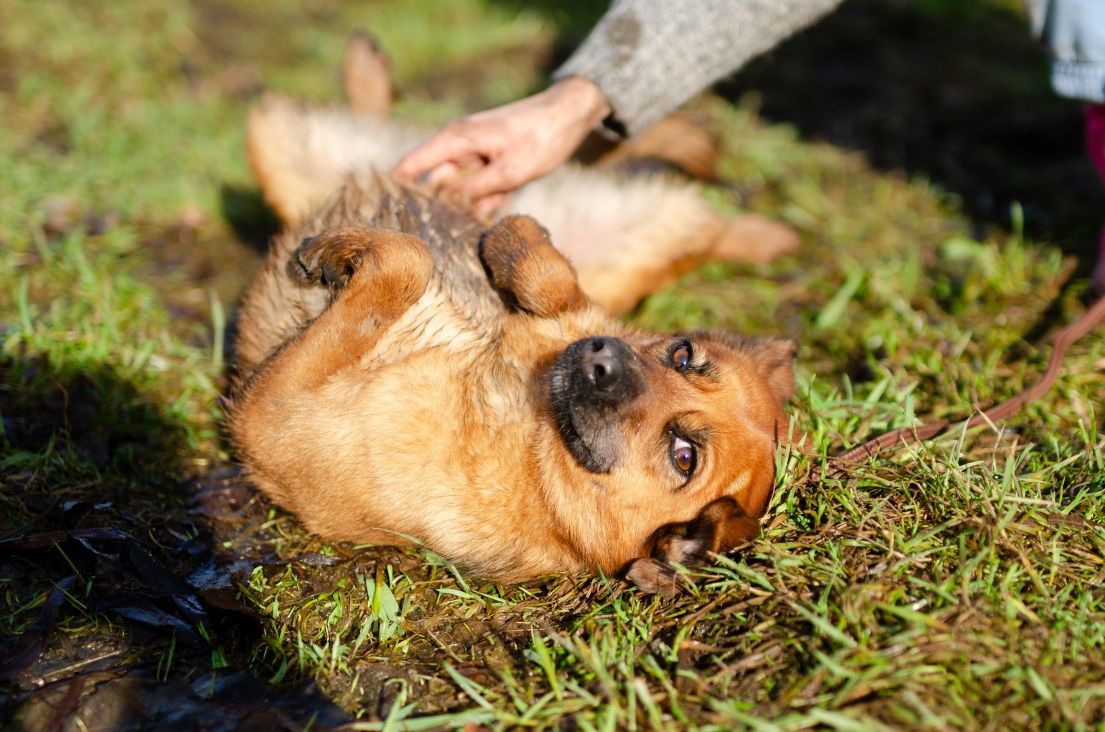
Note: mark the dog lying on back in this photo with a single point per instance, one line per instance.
(409, 372)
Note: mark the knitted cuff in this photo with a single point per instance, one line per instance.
(619, 122)
(1083, 80)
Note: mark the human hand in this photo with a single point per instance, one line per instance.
(485, 156)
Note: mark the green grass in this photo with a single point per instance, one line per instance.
(954, 584)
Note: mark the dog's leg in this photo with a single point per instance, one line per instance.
(629, 237)
(374, 275)
(683, 141)
(366, 76)
(657, 255)
(279, 420)
(525, 266)
(753, 238)
(640, 255)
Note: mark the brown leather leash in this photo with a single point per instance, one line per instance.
(904, 436)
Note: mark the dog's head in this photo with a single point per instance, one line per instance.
(668, 442)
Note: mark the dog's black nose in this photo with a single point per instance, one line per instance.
(603, 362)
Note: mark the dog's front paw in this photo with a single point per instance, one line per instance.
(381, 270)
(528, 270)
(330, 258)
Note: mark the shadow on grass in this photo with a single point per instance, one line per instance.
(957, 92)
(252, 221)
(119, 606)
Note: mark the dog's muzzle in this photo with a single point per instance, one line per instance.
(602, 365)
(591, 381)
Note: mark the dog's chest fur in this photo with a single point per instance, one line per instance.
(459, 318)
(451, 235)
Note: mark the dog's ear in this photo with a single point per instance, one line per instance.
(775, 357)
(720, 526)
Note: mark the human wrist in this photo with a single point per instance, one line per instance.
(584, 98)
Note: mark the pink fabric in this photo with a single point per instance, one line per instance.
(1095, 136)
(1095, 148)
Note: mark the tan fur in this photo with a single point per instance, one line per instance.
(367, 77)
(683, 139)
(396, 359)
(627, 237)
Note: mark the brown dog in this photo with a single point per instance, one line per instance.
(410, 373)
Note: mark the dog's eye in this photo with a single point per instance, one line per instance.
(684, 456)
(681, 356)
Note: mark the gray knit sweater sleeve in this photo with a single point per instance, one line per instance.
(650, 56)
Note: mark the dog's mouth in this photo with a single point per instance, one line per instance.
(590, 383)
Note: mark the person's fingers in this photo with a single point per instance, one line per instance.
(489, 204)
(442, 174)
(442, 148)
(497, 177)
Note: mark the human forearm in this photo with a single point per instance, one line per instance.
(650, 56)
